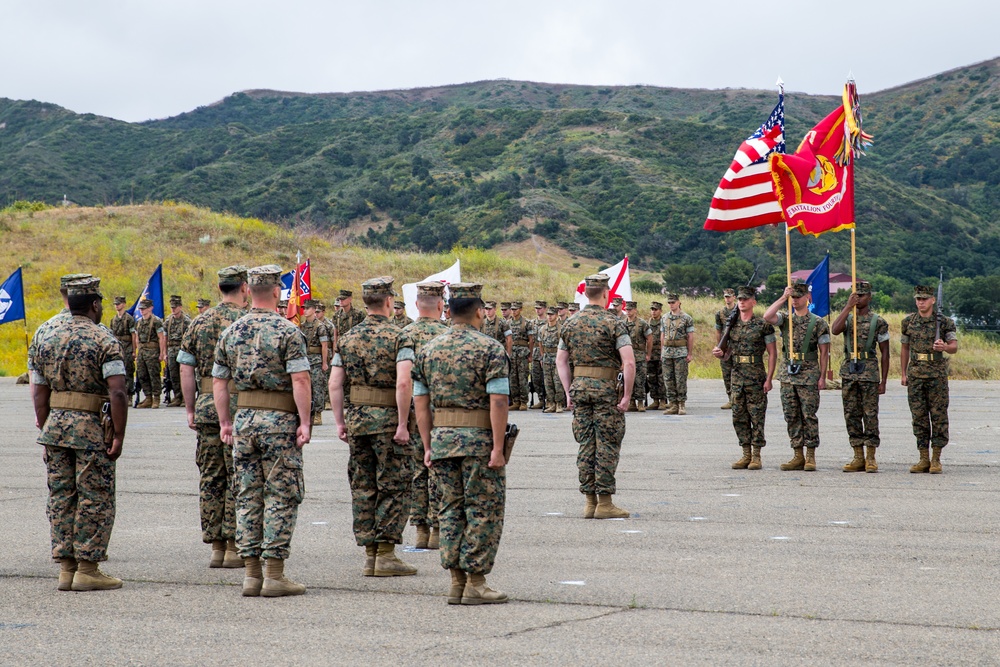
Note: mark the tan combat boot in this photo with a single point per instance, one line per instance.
(655, 405)
(641, 404)
(388, 565)
(537, 405)
(434, 541)
(477, 592)
(218, 553)
(590, 507)
(797, 462)
(671, 409)
(276, 584)
(317, 419)
(870, 464)
(857, 464)
(924, 464)
(423, 534)
(935, 466)
(631, 407)
(744, 461)
(146, 403)
(67, 570)
(370, 551)
(458, 580)
(607, 510)
(728, 405)
(156, 401)
(755, 463)
(177, 402)
(232, 558)
(550, 408)
(253, 578)
(810, 464)
(88, 577)
(680, 408)
(522, 407)
(559, 409)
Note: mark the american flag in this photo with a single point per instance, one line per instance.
(745, 197)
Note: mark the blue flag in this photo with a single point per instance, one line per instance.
(153, 290)
(286, 285)
(12, 298)
(819, 279)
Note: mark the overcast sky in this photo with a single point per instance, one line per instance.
(141, 59)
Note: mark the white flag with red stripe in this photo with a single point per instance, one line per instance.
(745, 197)
(619, 284)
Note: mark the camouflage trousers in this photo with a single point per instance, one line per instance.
(175, 370)
(749, 412)
(654, 379)
(639, 384)
(269, 489)
(129, 355)
(81, 506)
(380, 477)
(472, 508)
(928, 399)
(319, 383)
(553, 385)
(861, 412)
(598, 428)
(800, 403)
(147, 371)
(538, 381)
(727, 374)
(216, 498)
(519, 376)
(425, 498)
(675, 379)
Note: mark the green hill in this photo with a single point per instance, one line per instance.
(601, 171)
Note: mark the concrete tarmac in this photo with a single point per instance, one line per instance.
(715, 566)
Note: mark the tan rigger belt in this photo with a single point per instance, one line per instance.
(206, 386)
(314, 350)
(150, 346)
(76, 400)
(929, 356)
(376, 396)
(457, 417)
(283, 401)
(596, 372)
(675, 343)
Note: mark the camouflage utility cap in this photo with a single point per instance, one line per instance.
(398, 305)
(321, 307)
(746, 292)
(309, 303)
(596, 280)
(541, 304)
(562, 305)
(119, 299)
(923, 292)
(656, 305)
(551, 310)
(490, 304)
(269, 274)
(631, 305)
(617, 300)
(176, 300)
(145, 303)
(346, 294)
(204, 303)
(84, 287)
(71, 277)
(466, 290)
(283, 304)
(516, 305)
(863, 287)
(728, 292)
(233, 275)
(505, 305)
(430, 288)
(672, 297)
(381, 286)
(574, 307)
(800, 289)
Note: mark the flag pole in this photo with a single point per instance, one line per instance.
(788, 272)
(854, 289)
(24, 321)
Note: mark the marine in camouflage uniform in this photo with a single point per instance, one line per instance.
(597, 343)
(216, 484)
(547, 339)
(749, 383)
(926, 336)
(331, 334)
(265, 357)
(348, 316)
(375, 358)
(496, 327)
(861, 387)
(424, 496)
(537, 373)
(642, 346)
(76, 370)
(152, 351)
(123, 328)
(203, 305)
(725, 362)
(522, 333)
(399, 316)
(654, 368)
(318, 350)
(800, 391)
(677, 340)
(462, 376)
(176, 325)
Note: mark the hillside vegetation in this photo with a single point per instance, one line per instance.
(123, 245)
(600, 171)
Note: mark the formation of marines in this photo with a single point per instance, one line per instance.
(424, 406)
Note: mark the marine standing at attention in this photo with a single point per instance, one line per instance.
(176, 325)
(348, 316)
(642, 347)
(375, 359)
(537, 374)
(725, 362)
(677, 339)
(123, 327)
(150, 354)
(460, 393)
(399, 316)
(654, 369)
(803, 373)
(265, 357)
(77, 374)
(216, 485)
(749, 383)
(424, 498)
(522, 340)
(548, 344)
(596, 343)
(862, 385)
(496, 327)
(318, 349)
(926, 336)
(203, 305)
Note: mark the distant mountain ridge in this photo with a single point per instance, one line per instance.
(600, 170)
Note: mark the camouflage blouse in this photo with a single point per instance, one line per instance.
(675, 327)
(345, 321)
(871, 366)
(176, 326)
(198, 350)
(123, 326)
(809, 371)
(520, 330)
(548, 338)
(593, 337)
(74, 354)
(750, 339)
(918, 333)
(639, 331)
(368, 354)
(497, 329)
(460, 369)
(148, 329)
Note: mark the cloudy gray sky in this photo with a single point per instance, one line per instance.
(140, 59)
